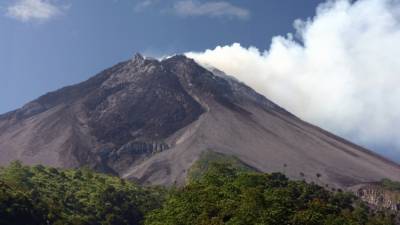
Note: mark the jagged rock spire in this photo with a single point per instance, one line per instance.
(138, 57)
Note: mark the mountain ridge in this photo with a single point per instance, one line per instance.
(150, 120)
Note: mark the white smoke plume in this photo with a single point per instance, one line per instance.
(340, 70)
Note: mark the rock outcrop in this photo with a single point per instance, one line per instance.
(378, 196)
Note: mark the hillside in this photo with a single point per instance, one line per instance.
(223, 194)
(150, 121)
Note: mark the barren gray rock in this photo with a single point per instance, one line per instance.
(378, 196)
(150, 120)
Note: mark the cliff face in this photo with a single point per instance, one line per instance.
(150, 120)
(378, 196)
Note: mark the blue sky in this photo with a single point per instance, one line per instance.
(47, 44)
(343, 76)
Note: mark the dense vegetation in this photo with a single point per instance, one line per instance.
(223, 194)
(390, 185)
(226, 195)
(39, 195)
(210, 158)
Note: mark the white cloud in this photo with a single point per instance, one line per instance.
(143, 4)
(212, 9)
(33, 10)
(343, 75)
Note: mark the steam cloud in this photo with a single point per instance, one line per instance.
(340, 70)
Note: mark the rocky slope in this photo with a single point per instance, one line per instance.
(382, 195)
(150, 120)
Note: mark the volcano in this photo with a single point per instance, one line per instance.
(150, 120)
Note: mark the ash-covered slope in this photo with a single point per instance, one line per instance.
(150, 120)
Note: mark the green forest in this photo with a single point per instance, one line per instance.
(221, 194)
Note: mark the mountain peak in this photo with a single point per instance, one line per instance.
(179, 58)
(138, 57)
(149, 120)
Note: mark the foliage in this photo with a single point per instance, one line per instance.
(222, 193)
(208, 158)
(226, 195)
(41, 195)
(390, 185)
